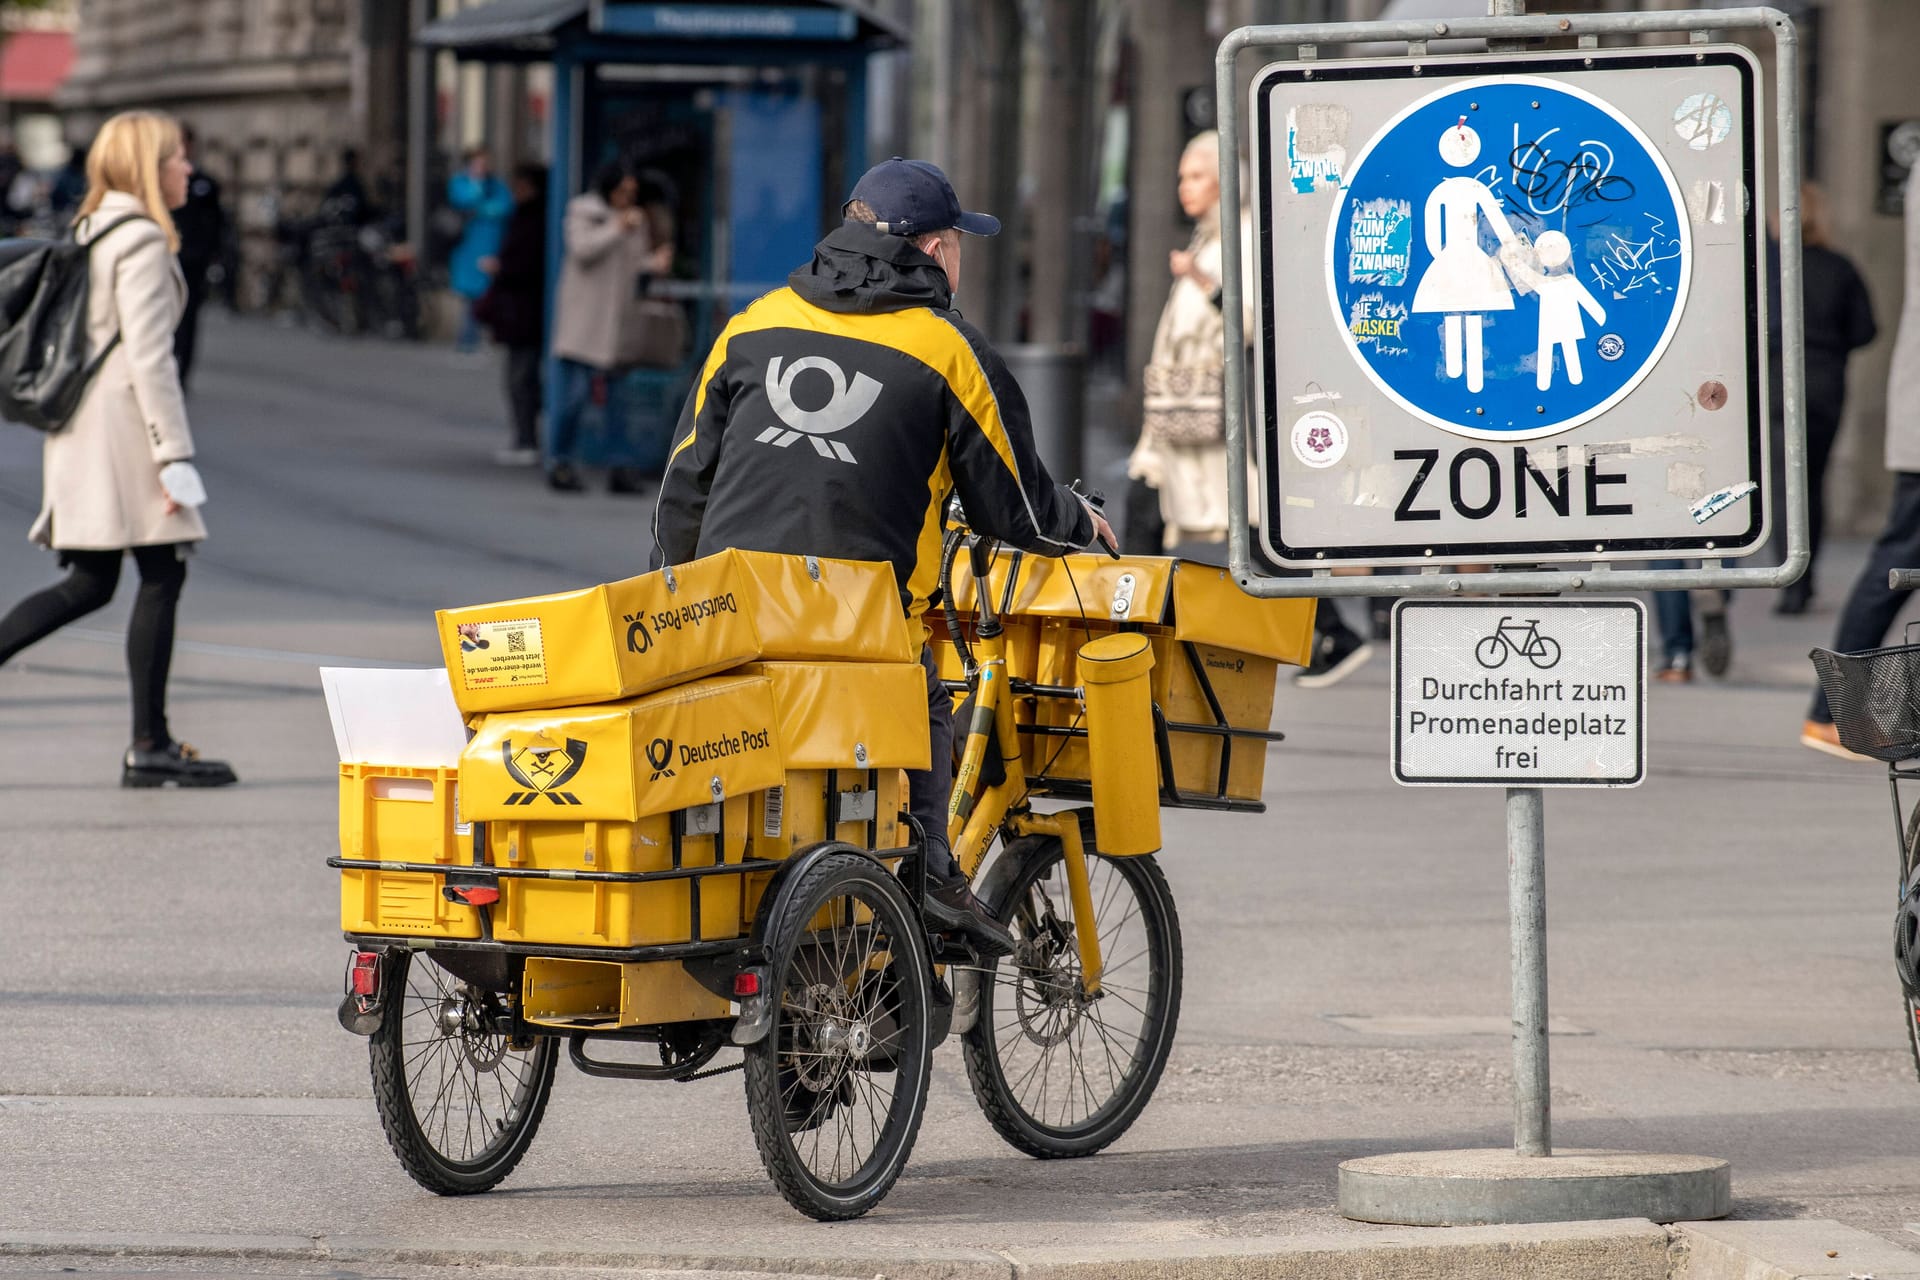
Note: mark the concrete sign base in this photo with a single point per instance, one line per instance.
(1482, 1187)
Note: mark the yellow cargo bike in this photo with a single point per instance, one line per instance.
(678, 824)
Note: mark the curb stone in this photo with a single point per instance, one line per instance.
(1621, 1249)
(1630, 1249)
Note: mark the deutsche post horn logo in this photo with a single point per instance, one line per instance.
(848, 405)
(660, 756)
(639, 639)
(544, 770)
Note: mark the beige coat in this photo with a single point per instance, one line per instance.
(1903, 386)
(1192, 478)
(599, 279)
(100, 474)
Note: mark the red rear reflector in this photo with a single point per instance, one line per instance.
(366, 972)
(477, 896)
(746, 984)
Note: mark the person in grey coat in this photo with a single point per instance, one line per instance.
(1872, 605)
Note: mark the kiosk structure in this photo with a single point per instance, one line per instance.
(752, 118)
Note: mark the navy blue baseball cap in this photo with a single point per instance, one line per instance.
(913, 198)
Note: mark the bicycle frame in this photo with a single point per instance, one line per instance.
(975, 817)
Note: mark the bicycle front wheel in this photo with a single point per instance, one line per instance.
(1056, 1073)
(1491, 652)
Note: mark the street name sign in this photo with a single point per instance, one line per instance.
(1519, 693)
(1509, 308)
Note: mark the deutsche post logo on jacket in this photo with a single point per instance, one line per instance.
(849, 403)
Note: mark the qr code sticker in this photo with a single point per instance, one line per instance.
(516, 642)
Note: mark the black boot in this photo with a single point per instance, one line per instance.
(950, 907)
(177, 763)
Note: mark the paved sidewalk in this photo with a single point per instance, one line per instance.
(1721, 975)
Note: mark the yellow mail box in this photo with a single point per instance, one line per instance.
(1215, 651)
(850, 715)
(685, 746)
(631, 637)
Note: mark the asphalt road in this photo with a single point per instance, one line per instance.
(169, 962)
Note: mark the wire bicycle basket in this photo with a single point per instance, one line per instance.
(1872, 696)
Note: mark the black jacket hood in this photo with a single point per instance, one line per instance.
(861, 271)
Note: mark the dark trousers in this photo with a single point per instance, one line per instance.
(523, 394)
(1142, 531)
(1872, 606)
(91, 579)
(1823, 428)
(929, 790)
(186, 336)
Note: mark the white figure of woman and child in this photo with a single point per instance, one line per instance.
(1464, 281)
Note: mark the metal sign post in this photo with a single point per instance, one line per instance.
(1513, 310)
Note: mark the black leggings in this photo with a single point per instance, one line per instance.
(91, 578)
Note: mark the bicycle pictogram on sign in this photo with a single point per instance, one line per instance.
(1519, 636)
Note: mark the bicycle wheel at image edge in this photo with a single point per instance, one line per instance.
(459, 1104)
(1904, 925)
(836, 1089)
(1059, 1075)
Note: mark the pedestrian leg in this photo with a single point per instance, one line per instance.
(163, 572)
(89, 584)
(1872, 605)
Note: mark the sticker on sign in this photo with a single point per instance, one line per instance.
(1543, 693)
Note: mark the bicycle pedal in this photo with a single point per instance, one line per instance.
(955, 949)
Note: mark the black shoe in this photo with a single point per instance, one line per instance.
(564, 479)
(952, 908)
(177, 763)
(1335, 657)
(1716, 645)
(1794, 599)
(627, 480)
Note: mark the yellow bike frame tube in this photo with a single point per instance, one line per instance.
(960, 806)
(1066, 828)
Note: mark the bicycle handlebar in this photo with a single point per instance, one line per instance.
(1903, 579)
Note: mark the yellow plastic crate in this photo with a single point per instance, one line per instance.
(408, 903)
(389, 813)
(598, 913)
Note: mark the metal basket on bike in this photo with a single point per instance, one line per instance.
(1872, 697)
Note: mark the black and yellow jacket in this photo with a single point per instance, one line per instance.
(834, 417)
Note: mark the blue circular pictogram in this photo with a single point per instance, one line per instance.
(1509, 258)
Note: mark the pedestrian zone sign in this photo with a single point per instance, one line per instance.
(1510, 308)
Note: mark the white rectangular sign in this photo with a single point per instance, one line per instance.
(1537, 693)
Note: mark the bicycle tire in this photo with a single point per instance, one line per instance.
(799, 1080)
(1495, 649)
(400, 1064)
(1004, 1097)
(1909, 881)
(1536, 658)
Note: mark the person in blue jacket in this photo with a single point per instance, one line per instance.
(486, 203)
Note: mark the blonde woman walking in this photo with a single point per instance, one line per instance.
(118, 479)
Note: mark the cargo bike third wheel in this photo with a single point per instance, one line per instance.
(1058, 1072)
(459, 1099)
(837, 1087)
